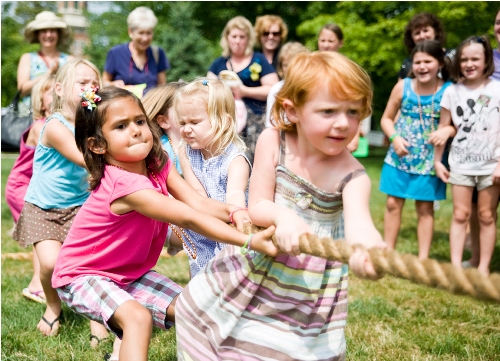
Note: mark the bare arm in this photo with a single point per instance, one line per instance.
(56, 135)
(259, 92)
(162, 78)
(262, 209)
(166, 209)
(237, 181)
(107, 80)
(441, 171)
(389, 118)
(188, 173)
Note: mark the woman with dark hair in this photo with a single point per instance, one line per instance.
(330, 38)
(421, 27)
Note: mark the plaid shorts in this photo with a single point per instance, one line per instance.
(98, 297)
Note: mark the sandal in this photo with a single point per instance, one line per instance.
(108, 357)
(95, 341)
(34, 296)
(53, 330)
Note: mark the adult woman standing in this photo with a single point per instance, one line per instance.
(271, 32)
(423, 26)
(50, 31)
(137, 62)
(256, 74)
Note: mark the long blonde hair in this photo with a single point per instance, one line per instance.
(220, 108)
(242, 23)
(66, 77)
(37, 97)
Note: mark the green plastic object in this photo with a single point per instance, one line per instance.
(363, 148)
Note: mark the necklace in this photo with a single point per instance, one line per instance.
(192, 252)
(173, 151)
(149, 171)
(425, 133)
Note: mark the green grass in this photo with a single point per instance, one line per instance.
(390, 319)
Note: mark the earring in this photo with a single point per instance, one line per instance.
(440, 74)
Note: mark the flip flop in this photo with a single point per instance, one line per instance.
(53, 330)
(95, 341)
(34, 296)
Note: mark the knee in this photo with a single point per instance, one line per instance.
(134, 315)
(425, 209)
(393, 205)
(486, 217)
(461, 215)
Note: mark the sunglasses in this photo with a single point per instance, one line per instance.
(273, 33)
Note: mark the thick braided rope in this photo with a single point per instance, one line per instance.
(428, 272)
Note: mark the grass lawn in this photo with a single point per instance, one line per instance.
(390, 319)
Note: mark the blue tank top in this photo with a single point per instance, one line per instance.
(56, 181)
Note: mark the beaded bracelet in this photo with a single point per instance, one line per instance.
(236, 209)
(246, 247)
(391, 138)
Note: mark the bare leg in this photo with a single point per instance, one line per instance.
(137, 325)
(35, 283)
(47, 252)
(392, 220)
(474, 236)
(462, 197)
(98, 330)
(425, 227)
(486, 204)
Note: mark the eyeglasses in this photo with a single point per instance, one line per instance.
(273, 33)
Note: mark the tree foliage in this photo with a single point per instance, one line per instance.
(190, 32)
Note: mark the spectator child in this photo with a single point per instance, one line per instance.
(293, 306)
(473, 106)
(104, 267)
(408, 171)
(20, 175)
(58, 186)
(213, 160)
(158, 105)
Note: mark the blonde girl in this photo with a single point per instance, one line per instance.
(293, 306)
(20, 175)
(104, 269)
(58, 186)
(213, 159)
(473, 106)
(158, 105)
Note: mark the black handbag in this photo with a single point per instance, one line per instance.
(13, 125)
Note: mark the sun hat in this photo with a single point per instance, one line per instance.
(46, 20)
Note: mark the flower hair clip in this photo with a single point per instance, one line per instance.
(90, 97)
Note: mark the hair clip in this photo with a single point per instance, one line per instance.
(204, 82)
(480, 40)
(91, 97)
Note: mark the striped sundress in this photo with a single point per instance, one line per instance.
(265, 308)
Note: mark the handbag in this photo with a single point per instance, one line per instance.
(13, 125)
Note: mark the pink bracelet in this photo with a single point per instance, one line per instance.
(236, 209)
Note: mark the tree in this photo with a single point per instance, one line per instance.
(374, 31)
(13, 43)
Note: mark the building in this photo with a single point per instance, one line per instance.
(72, 13)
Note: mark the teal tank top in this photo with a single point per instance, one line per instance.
(56, 181)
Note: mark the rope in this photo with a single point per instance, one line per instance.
(429, 272)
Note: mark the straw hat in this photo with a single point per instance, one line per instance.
(46, 20)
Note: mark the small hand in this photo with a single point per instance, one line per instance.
(288, 229)
(438, 137)
(240, 218)
(400, 145)
(54, 67)
(262, 242)
(362, 266)
(441, 171)
(237, 92)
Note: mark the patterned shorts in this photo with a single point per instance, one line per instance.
(36, 224)
(98, 297)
